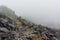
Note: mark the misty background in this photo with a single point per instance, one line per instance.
(44, 12)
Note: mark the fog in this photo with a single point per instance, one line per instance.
(45, 12)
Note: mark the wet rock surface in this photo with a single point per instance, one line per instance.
(20, 29)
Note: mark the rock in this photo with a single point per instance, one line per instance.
(4, 29)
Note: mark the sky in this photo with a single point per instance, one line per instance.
(45, 12)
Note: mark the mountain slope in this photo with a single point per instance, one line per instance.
(17, 28)
(7, 11)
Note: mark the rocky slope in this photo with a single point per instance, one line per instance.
(7, 28)
(31, 31)
(20, 29)
(12, 28)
